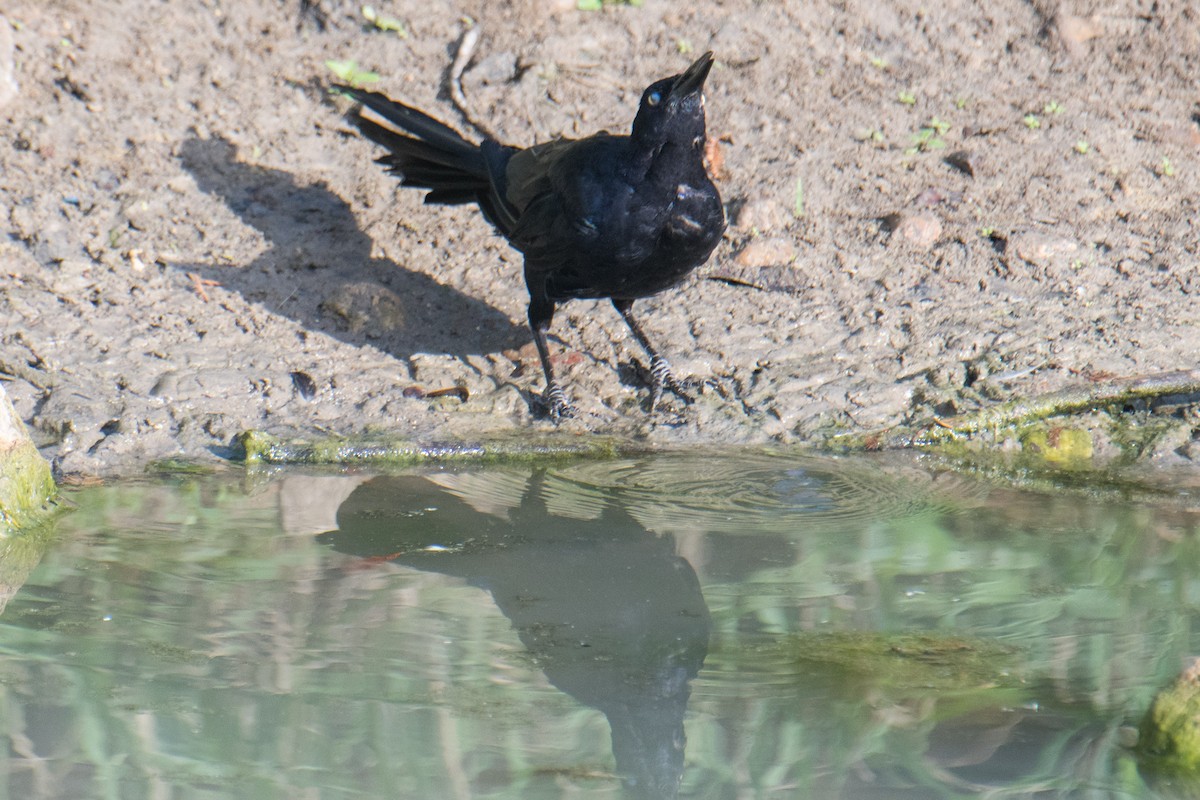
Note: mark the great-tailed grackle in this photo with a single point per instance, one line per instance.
(617, 217)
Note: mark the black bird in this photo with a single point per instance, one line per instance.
(617, 217)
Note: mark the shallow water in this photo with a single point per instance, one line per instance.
(711, 627)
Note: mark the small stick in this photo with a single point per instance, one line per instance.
(466, 49)
(199, 283)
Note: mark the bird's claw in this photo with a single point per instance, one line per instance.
(554, 404)
(662, 379)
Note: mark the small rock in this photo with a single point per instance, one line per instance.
(1167, 735)
(915, 230)
(304, 385)
(1059, 445)
(135, 260)
(933, 196)
(766, 252)
(963, 161)
(26, 486)
(761, 214)
(1074, 32)
(142, 212)
(1041, 249)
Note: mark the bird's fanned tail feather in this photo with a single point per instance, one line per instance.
(434, 156)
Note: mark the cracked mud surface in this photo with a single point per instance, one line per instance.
(196, 244)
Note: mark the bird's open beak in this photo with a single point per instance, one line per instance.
(692, 80)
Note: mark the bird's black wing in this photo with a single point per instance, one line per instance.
(564, 190)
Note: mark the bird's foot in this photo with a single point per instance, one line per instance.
(554, 405)
(662, 379)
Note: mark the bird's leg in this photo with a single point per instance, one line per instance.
(541, 314)
(661, 376)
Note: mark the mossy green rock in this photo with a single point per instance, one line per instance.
(1169, 736)
(1058, 445)
(26, 485)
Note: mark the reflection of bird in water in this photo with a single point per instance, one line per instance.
(612, 615)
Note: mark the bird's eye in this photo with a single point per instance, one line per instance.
(653, 99)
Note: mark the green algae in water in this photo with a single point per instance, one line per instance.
(921, 662)
(26, 488)
(1169, 735)
(260, 447)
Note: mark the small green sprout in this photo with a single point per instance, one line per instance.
(385, 23)
(349, 72)
(868, 135)
(1166, 168)
(929, 137)
(960, 103)
(987, 232)
(878, 62)
(906, 97)
(1032, 122)
(1053, 107)
(683, 46)
(1082, 147)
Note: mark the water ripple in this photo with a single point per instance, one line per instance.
(761, 492)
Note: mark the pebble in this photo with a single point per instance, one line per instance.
(963, 161)
(766, 252)
(762, 215)
(916, 230)
(1075, 32)
(1041, 249)
(141, 213)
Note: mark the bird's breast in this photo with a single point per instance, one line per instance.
(695, 222)
(692, 213)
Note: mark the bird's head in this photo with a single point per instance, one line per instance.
(672, 109)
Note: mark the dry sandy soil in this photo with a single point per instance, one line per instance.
(196, 243)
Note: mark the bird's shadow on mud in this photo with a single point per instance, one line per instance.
(319, 270)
